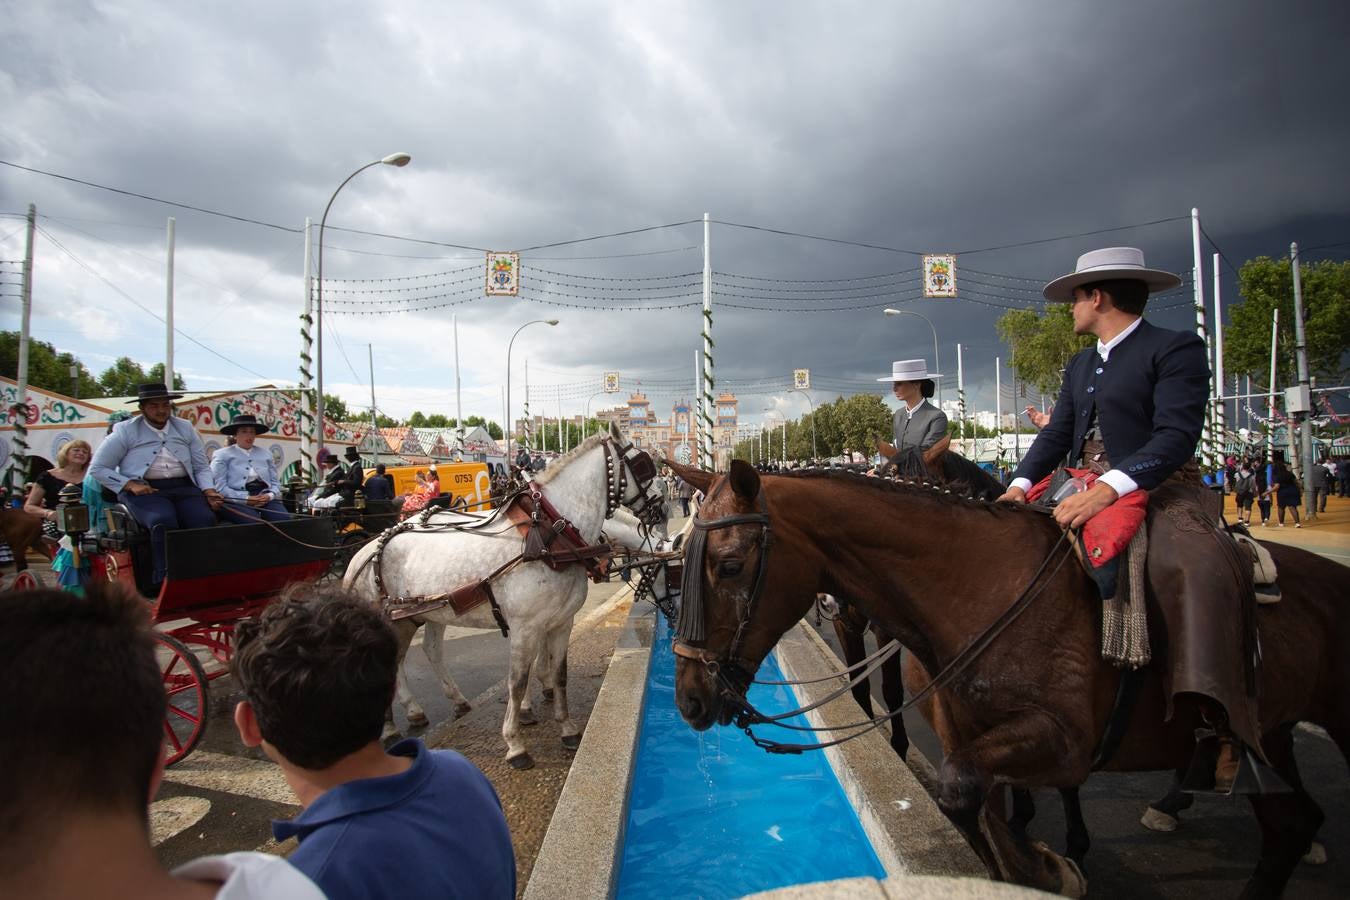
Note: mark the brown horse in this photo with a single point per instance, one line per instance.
(938, 570)
(21, 531)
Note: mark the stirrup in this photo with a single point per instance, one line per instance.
(1253, 777)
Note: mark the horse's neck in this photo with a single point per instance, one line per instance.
(928, 571)
(578, 492)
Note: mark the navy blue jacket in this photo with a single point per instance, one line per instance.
(1150, 403)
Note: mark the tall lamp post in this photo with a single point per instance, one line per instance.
(393, 159)
(586, 416)
(509, 428)
(815, 456)
(936, 363)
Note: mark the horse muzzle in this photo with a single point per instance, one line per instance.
(698, 695)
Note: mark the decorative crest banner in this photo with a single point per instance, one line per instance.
(801, 379)
(939, 275)
(611, 382)
(503, 274)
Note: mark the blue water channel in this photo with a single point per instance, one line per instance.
(710, 815)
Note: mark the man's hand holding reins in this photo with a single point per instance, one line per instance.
(1074, 511)
(1013, 495)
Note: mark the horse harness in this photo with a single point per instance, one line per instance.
(547, 536)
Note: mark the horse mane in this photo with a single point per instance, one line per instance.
(952, 494)
(550, 472)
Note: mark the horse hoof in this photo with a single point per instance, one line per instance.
(418, 720)
(548, 693)
(1316, 855)
(573, 741)
(521, 762)
(1072, 881)
(462, 710)
(1156, 820)
(527, 717)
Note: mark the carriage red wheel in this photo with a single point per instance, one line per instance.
(189, 696)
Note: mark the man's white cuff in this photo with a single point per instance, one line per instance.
(1023, 483)
(1122, 483)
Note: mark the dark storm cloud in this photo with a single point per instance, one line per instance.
(931, 127)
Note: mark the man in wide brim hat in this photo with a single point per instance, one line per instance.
(1131, 410)
(154, 390)
(156, 464)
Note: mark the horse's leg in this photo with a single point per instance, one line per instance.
(404, 630)
(1023, 811)
(851, 642)
(1289, 822)
(964, 796)
(893, 692)
(1077, 839)
(538, 667)
(557, 651)
(524, 648)
(1165, 814)
(433, 645)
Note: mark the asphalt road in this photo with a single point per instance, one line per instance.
(1213, 852)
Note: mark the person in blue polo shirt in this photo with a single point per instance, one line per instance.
(317, 671)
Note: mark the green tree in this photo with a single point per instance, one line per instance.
(1266, 285)
(1041, 343)
(47, 369)
(437, 420)
(417, 420)
(863, 419)
(383, 421)
(335, 408)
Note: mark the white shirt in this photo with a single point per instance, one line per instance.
(165, 464)
(909, 410)
(249, 875)
(1121, 483)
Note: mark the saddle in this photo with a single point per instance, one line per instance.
(1264, 573)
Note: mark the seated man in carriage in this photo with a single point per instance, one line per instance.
(156, 464)
(1131, 409)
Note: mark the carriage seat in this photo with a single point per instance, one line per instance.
(123, 529)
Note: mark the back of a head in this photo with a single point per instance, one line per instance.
(82, 707)
(319, 670)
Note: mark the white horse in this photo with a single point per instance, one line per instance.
(537, 602)
(623, 529)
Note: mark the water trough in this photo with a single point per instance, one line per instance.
(620, 830)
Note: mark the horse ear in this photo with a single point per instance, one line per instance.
(744, 479)
(697, 477)
(614, 431)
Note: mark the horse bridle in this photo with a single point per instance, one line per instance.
(625, 461)
(732, 672)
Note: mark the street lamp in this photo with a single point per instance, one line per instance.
(393, 159)
(769, 410)
(508, 427)
(586, 416)
(936, 364)
(815, 457)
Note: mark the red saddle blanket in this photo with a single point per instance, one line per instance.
(1108, 533)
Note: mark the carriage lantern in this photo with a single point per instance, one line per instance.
(72, 516)
(359, 500)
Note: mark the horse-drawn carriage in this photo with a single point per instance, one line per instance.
(213, 578)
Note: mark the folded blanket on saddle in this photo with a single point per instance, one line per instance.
(1106, 535)
(1263, 567)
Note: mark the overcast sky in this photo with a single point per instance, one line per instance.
(944, 126)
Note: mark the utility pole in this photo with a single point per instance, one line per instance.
(374, 428)
(1198, 283)
(18, 471)
(168, 312)
(306, 416)
(707, 402)
(1220, 415)
(459, 405)
(1304, 388)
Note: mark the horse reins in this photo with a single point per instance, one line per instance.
(691, 628)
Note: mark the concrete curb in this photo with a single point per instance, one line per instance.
(579, 856)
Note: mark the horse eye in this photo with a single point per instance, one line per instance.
(729, 569)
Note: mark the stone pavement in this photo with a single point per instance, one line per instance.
(1327, 533)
